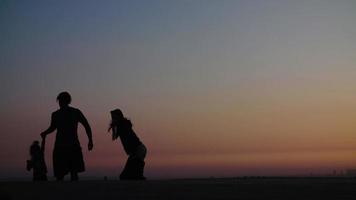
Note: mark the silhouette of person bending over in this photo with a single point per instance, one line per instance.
(37, 162)
(67, 153)
(135, 149)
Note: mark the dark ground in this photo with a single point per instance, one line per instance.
(238, 188)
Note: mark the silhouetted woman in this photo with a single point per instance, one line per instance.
(135, 149)
(37, 162)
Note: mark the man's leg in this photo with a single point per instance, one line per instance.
(59, 178)
(74, 176)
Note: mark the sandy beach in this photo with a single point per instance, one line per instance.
(237, 188)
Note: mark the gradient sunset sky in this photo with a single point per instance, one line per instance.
(213, 88)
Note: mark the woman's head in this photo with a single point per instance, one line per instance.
(64, 99)
(116, 114)
(116, 118)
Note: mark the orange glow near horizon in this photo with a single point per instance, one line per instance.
(213, 88)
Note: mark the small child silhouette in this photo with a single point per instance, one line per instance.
(37, 162)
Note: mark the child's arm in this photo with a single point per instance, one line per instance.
(43, 144)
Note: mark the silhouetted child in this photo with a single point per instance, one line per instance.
(135, 149)
(37, 162)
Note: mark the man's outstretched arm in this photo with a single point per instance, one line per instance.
(50, 129)
(86, 125)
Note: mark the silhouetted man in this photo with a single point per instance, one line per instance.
(67, 153)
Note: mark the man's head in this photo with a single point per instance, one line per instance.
(64, 99)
